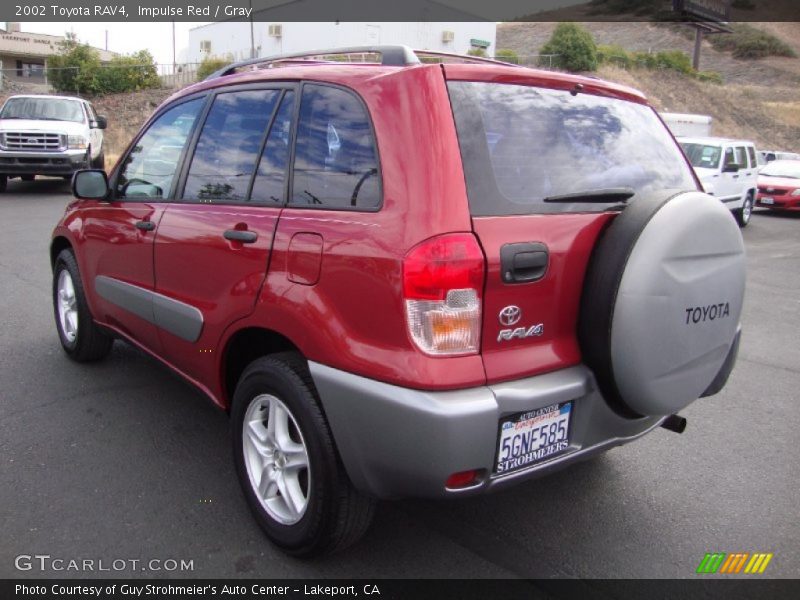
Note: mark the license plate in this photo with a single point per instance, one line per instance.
(766, 200)
(532, 436)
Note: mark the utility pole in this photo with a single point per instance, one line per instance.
(698, 43)
(106, 40)
(252, 39)
(174, 58)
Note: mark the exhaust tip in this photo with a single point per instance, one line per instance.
(674, 423)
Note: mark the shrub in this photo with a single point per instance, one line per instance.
(77, 69)
(507, 55)
(209, 65)
(710, 76)
(574, 47)
(129, 73)
(476, 52)
(747, 42)
(614, 55)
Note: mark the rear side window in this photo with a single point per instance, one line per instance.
(230, 145)
(522, 144)
(336, 163)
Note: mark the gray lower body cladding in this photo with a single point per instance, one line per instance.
(397, 442)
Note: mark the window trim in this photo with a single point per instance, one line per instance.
(282, 87)
(170, 196)
(290, 191)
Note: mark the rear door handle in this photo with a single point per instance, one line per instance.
(145, 225)
(524, 262)
(241, 235)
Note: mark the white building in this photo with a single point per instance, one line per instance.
(232, 39)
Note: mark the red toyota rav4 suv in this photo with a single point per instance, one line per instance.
(404, 278)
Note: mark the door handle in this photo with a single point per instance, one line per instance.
(524, 262)
(240, 235)
(145, 225)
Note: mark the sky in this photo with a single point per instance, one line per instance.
(124, 38)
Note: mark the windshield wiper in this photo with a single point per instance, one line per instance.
(602, 196)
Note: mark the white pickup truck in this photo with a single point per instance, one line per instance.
(728, 169)
(49, 135)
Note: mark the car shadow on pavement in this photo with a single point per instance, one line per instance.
(41, 185)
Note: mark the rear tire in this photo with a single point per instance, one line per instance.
(3, 183)
(744, 214)
(81, 338)
(287, 462)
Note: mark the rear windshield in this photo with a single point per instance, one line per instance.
(702, 155)
(523, 144)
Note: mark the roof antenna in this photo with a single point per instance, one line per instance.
(578, 88)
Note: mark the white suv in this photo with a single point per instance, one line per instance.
(728, 169)
(49, 135)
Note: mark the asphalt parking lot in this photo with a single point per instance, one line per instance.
(122, 460)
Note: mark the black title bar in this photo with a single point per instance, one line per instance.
(376, 10)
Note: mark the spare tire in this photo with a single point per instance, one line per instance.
(661, 302)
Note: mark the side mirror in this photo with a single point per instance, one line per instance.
(731, 168)
(100, 123)
(90, 184)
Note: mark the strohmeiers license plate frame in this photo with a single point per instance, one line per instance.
(536, 419)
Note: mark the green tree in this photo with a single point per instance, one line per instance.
(75, 68)
(209, 65)
(477, 52)
(573, 47)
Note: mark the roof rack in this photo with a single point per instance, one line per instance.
(395, 56)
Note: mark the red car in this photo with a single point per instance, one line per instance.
(779, 185)
(403, 278)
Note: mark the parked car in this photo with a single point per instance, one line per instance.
(49, 135)
(770, 155)
(405, 279)
(728, 170)
(779, 185)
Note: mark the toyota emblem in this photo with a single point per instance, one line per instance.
(510, 315)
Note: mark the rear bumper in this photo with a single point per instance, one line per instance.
(783, 202)
(398, 442)
(42, 163)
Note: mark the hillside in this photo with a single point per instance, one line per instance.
(760, 99)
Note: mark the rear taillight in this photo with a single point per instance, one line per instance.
(442, 287)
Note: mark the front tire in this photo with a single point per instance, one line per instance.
(81, 338)
(27, 177)
(287, 462)
(3, 183)
(743, 214)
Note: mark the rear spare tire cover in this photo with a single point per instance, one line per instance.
(661, 302)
